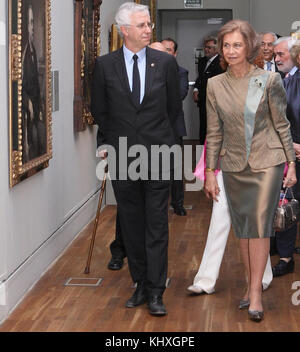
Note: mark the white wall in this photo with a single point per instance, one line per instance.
(264, 15)
(40, 216)
(275, 15)
(240, 7)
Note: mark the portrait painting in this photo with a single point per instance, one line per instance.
(29, 88)
(87, 48)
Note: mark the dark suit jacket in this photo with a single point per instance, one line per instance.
(292, 88)
(184, 88)
(213, 69)
(112, 106)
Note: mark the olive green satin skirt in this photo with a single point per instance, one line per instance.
(253, 196)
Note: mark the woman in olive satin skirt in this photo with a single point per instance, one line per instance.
(249, 133)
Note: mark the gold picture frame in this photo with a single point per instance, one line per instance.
(86, 49)
(152, 4)
(115, 39)
(30, 96)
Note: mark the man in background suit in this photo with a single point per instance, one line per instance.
(177, 188)
(135, 95)
(286, 240)
(208, 66)
(267, 50)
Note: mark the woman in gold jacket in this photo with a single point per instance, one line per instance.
(249, 135)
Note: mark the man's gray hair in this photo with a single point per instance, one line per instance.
(125, 11)
(273, 34)
(290, 41)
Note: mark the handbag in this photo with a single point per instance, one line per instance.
(287, 212)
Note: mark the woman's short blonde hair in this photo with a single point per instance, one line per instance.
(295, 53)
(251, 38)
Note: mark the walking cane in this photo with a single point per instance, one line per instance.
(102, 189)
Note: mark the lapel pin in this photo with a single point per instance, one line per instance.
(153, 64)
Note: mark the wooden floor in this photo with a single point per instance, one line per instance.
(53, 307)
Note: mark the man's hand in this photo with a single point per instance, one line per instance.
(30, 109)
(102, 154)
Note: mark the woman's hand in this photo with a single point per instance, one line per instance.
(290, 180)
(211, 187)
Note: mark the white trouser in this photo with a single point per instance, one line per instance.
(215, 245)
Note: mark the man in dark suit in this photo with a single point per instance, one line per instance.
(117, 248)
(285, 241)
(267, 49)
(177, 188)
(208, 66)
(135, 98)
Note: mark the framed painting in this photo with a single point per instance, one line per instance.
(87, 48)
(152, 7)
(115, 39)
(30, 109)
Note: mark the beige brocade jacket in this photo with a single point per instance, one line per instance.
(246, 121)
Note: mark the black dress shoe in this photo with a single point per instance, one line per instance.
(156, 305)
(139, 297)
(180, 211)
(282, 267)
(297, 250)
(115, 263)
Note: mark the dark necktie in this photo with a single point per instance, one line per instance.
(136, 83)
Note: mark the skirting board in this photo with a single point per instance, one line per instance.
(14, 289)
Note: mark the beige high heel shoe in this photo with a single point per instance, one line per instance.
(256, 315)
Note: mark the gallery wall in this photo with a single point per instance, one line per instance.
(41, 216)
(275, 15)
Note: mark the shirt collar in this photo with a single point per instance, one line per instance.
(293, 71)
(272, 61)
(128, 54)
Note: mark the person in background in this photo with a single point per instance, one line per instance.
(249, 134)
(267, 49)
(177, 187)
(208, 66)
(285, 240)
(283, 60)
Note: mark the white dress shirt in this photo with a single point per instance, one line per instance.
(272, 65)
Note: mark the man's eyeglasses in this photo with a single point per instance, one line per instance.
(143, 26)
(269, 45)
(209, 47)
